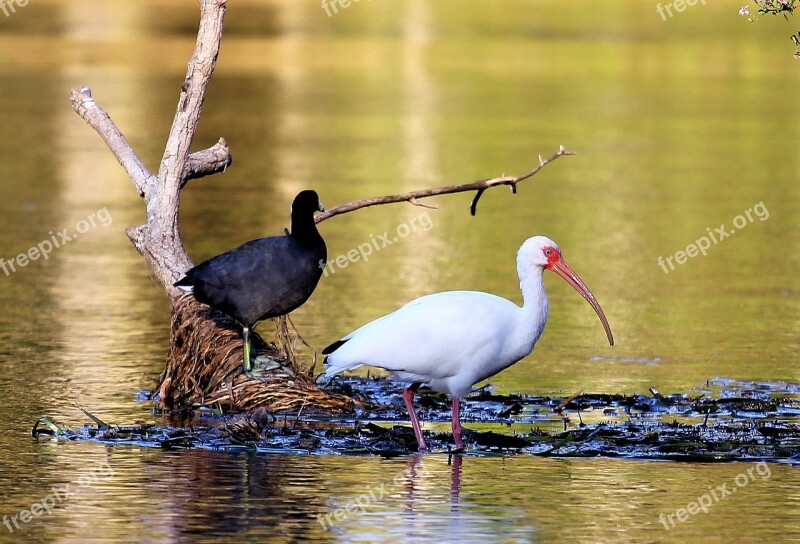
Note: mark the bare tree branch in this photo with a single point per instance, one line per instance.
(413, 196)
(85, 106)
(213, 160)
(162, 210)
(136, 236)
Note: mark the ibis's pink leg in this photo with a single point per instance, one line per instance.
(457, 429)
(408, 398)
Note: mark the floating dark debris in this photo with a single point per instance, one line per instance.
(728, 421)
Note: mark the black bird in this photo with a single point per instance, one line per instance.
(264, 278)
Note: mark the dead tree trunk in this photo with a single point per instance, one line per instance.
(205, 354)
(205, 346)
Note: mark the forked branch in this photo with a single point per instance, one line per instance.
(213, 160)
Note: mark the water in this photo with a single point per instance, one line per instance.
(200, 496)
(679, 125)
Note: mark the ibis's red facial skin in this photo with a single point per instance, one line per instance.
(556, 263)
(552, 254)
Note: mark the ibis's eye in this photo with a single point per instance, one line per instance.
(548, 252)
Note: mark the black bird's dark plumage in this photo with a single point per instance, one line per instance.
(264, 278)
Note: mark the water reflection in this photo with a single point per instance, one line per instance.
(202, 496)
(413, 504)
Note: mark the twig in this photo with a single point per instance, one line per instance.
(566, 401)
(413, 196)
(100, 423)
(656, 394)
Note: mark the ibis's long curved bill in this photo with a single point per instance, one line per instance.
(564, 270)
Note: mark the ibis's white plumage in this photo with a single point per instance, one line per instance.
(448, 340)
(455, 339)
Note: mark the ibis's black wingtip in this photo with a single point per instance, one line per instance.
(333, 347)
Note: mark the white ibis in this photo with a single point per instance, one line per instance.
(455, 339)
(264, 278)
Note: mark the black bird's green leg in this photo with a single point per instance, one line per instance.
(248, 367)
(265, 364)
(247, 363)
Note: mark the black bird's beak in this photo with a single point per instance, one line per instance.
(321, 207)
